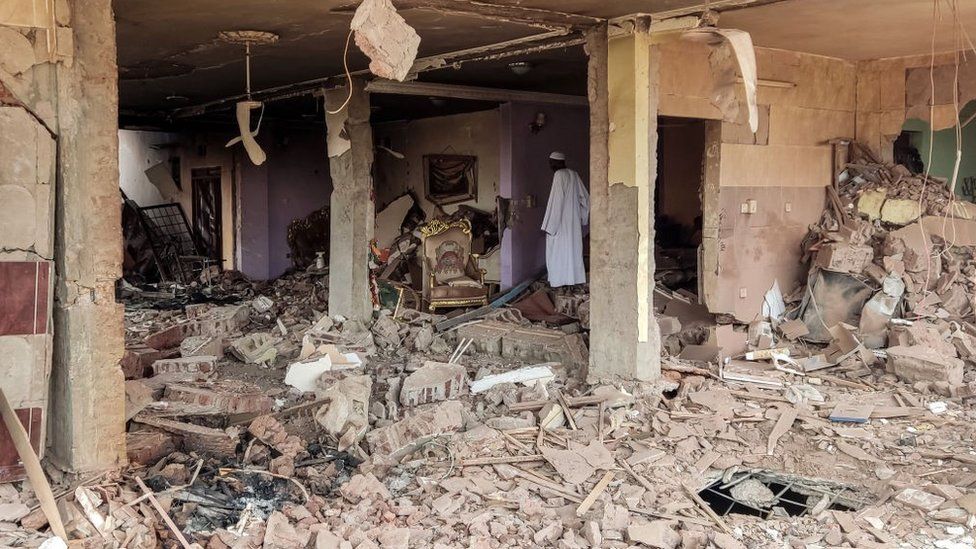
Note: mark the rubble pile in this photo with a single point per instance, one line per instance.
(892, 279)
(840, 417)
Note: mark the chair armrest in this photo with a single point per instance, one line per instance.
(474, 270)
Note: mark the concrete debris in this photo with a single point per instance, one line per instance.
(137, 396)
(397, 440)
(917, 363)
(386, 38)
(256, 348)
(877, 415)
(658, 534)
(344, 414)
(202, 345)
(752, 492)
(434, 382)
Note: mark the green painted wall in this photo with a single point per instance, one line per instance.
(944, 150)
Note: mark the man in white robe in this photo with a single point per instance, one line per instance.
(567, 212)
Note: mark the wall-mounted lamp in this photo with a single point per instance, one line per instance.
(540, 122)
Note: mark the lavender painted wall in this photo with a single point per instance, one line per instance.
(293, 183)
(253, 199)
(298, 184)
(525, 171)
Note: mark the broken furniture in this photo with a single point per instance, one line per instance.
(452, 277)
(176, 252)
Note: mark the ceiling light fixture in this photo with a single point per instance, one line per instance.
(244, 108)
(520, 68)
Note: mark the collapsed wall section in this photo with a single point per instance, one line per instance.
(761, 190)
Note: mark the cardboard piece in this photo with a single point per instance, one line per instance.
(389, 220)
(793, 329)
(700, 353)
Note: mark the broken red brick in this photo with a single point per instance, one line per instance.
(137, 361)
(167, 338)
(148, 447)
(196, 438)
(225, 401)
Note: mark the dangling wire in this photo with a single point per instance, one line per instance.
(928, 162)
(345, 65)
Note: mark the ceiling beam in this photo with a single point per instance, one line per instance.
(500, 50)
(452, 91)
(533, 17)
(714, 5)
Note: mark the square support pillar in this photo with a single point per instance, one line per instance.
(623, 90)
(87, 421)
(350, 144)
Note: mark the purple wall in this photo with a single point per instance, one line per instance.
(293, 183)
(253, 188)
(525, 170)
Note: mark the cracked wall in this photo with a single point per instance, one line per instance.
(891, 91)
(60, 328)
(27, 182)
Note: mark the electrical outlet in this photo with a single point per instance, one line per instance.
(753, 206)
(743, 293)
(788, 207)
(744, 208)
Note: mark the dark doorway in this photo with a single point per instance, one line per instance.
(677, 201)
(206, 211)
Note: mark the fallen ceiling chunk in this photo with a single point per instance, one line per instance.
(745, 56)
(386, 38)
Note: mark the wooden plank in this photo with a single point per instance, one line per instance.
(495, 460)
(590, 499)
(33, 467)
(162, 513)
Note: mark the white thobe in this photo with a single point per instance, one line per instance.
(567, 212)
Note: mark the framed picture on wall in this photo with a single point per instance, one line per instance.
(450, 178)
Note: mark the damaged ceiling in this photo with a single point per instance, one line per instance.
(162, 70)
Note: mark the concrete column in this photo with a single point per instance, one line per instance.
(623, 88)
(350, 143)
(87, 390)
(708, 282)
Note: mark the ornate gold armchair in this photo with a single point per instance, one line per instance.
(452, 277)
